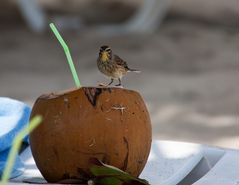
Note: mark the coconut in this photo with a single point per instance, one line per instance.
(110, 124)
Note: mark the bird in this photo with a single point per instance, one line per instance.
(112, 65)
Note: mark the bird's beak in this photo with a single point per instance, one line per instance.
(104, 56)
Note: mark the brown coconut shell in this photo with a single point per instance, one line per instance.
(111, 124)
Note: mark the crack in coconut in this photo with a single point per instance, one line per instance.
(127, 155)
(93, 93)
(92, 143)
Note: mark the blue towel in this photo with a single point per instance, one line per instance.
(14, 116)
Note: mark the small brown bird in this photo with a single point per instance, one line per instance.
(112, 65)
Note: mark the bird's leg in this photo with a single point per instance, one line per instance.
(105, 85)
(112, 80)
(119, 82)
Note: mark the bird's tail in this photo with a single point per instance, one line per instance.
(134, 70)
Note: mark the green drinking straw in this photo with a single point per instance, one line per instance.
(16, 146)
(68, 54)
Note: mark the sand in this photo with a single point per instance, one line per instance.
(189, 76)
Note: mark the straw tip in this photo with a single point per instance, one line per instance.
(52, 25)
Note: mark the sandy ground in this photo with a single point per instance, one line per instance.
(189, 78)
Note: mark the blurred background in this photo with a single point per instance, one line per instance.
(187, 50)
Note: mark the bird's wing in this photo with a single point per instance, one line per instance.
(120, 62)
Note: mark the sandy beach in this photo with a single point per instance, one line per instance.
(189, 74)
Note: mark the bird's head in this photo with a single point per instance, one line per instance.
(105, 53)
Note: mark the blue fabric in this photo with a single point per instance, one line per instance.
(14, 115)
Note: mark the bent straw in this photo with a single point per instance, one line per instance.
(16, 146)
(68, 54)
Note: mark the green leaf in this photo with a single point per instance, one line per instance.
(104, 172)
(109, 181)
(100, 169)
